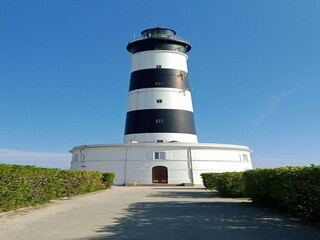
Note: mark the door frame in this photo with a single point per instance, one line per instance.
(162, 171)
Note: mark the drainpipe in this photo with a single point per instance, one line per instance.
(125, 166)
(191, 166)
(81, 154)
(82, 157)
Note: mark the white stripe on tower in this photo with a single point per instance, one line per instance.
(163, 58)
(159, 102)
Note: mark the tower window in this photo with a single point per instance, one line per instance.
(159, 100)
(245, 157)
(158, 83)
(159, 120)
(158, 66)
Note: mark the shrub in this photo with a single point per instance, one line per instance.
(257, 184)
(22, 186)
(295, 189)
(209, 180)
(107, 179)
(229, 184)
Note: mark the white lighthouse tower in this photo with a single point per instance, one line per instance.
(160, 141)
(160, 105)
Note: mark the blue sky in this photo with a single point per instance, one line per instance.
(254, 73)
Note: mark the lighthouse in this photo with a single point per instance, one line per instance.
(160, 144)
(159, 101)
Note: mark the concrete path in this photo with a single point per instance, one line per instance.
(152, 213)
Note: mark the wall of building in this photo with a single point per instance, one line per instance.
(133, 163)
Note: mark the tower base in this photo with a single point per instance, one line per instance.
(161, 163)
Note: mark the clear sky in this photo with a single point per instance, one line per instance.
(254, 73)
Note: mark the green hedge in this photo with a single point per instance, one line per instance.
(294, 189)
(22, 186)
(107, 179)
(229, 184)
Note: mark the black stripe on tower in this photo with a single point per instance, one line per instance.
(160, 121)
(158, 44)
(157, 77)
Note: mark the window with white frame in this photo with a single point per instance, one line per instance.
(159, 155)
(245, 158)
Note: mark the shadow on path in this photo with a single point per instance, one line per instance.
(203, 220)
(182, 193)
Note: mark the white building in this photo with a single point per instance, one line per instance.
(160, 141)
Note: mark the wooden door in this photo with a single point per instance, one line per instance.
(159, 174)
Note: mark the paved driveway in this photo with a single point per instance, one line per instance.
(152, 213)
